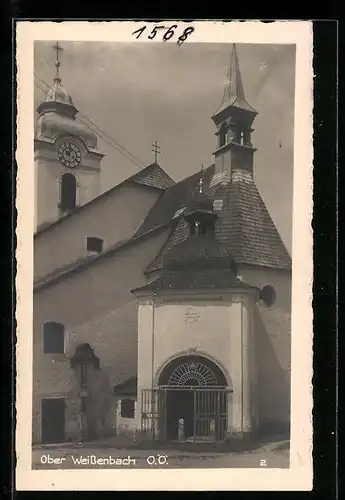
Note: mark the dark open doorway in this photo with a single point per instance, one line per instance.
(190, 403)
(180, 405)
(53, 420)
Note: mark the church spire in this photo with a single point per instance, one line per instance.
(233, 119)
(234, 91)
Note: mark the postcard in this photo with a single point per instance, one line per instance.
(164, 283)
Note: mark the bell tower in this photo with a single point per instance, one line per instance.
(233, 119)
(67, 160)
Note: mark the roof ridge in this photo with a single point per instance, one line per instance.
(82, 262)
(168, 195)
(46, 226)
(194, 174)
(151, 166)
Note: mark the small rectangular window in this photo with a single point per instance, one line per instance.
(53, 338)
(94, 244)
(127, 408)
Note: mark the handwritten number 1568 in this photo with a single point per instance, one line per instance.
(167, 35)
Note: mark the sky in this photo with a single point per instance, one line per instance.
(142, 93)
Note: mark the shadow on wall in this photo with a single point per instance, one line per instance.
(273, 354)
(113, 337)
(96, 408)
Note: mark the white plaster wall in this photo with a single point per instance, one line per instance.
(114, 217)
(220, 330)
(203, 326)
(97, 307)
(280, 279)
(271, 376)
(50, 171)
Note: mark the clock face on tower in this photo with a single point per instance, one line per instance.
(69, 154)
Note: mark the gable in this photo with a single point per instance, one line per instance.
(153, 176)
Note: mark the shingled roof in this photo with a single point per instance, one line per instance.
(211, 279)
(243, 225)
(246, 226)
(177, 197)
(153, 176)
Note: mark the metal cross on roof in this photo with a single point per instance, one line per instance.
(58, 49)
(156, 150)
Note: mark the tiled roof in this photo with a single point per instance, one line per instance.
(173, 199)
(243, 224)
(153, 176)
(178, 233)
(211, 279)
(198, 252)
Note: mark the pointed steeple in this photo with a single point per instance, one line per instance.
(233, 119)
(234, 91)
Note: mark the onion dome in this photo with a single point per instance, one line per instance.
(57, 114)
(51, 125)
(58, 99)
(59, 94)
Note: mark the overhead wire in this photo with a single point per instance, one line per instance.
(102, 133)
(116, 146)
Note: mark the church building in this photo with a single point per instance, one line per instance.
(175, 323)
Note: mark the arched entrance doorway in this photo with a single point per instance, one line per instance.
(192, 400)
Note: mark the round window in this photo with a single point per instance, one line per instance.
(268, 295)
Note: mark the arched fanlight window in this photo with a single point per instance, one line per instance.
(68, 196)
(192, 373)
(53, 338)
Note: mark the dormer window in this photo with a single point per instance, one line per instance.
(202, 227)
(217, 205)
(94, 245)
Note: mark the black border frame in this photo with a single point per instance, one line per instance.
(325, 225)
